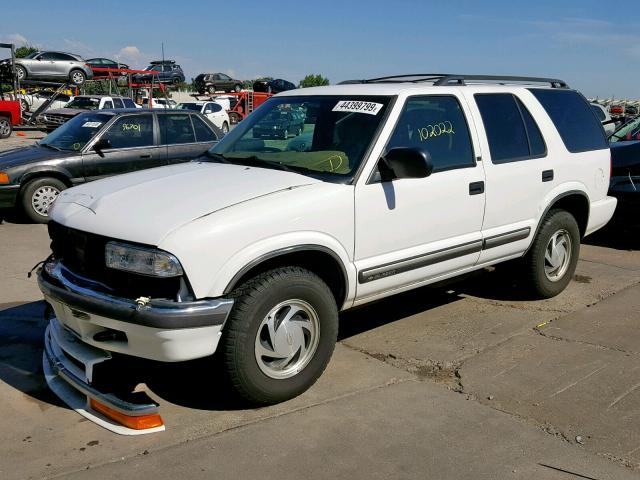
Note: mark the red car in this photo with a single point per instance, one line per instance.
(616, 110)
(9, 116)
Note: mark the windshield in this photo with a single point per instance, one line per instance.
(321, 136)
(74, 134)
(33, 54)
(628, 131)
(84, 103)
(189, 106)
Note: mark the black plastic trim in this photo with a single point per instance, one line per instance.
(164, 314)
(504, 238)
(285, 251)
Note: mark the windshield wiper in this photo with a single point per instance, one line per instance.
(258, 162)
(50, 146)
(217, 156)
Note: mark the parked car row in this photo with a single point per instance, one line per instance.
(98, 144)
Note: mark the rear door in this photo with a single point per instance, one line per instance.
(133, 140)
(178, 136)
(520, 173)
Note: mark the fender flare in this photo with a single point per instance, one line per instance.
(553, 202)
(284, 251)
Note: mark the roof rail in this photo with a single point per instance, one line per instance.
(440, 79)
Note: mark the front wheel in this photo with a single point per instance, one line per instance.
(211, 89)
(77, 77)
(21, 72)
(553, 256)
(237, 88)
(38, 195)
(279, 336)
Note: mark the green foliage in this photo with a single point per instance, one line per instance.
(312, 80)
(25, 50)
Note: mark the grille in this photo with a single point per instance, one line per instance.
(55, 119)
(83, 253)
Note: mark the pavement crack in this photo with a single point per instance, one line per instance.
(558, 338)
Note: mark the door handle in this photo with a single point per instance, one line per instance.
(547, 175)
(476, 188)
(145, 156)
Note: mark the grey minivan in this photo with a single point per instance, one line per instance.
(56, 66)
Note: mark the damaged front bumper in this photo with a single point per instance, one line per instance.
(89, 324)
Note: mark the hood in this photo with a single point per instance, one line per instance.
(146, 206)
(26, 155)
(71, 112)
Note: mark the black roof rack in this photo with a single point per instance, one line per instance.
(439, 79)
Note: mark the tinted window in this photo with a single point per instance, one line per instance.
(131, 131)
(118, 103)
(572, 115)
(511, 131)
(216, 107)
(224, 77)
(175, 128)
(599, 113)
(537, 146)
(129, 103)
(203, 132)
(437, 125)
(504, 126)
(108, 104)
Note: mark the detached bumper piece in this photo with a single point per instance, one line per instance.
(68, 367)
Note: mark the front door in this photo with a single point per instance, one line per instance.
(412, 230)
(132, 147)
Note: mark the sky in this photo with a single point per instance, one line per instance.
(593, 45)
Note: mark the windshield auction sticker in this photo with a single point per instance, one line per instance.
(91, 124)
(356, 106)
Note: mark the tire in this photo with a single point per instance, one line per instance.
(225, 128)
(547, 270)
(77, 77)
(5, 127)
(211, 89)
(237, 88)
(37, 195)
(176, 81)
(21, 72)
(264, 380)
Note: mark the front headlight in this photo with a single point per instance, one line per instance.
(141, 260)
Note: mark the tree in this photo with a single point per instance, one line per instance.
(312, 80)
(25, 50)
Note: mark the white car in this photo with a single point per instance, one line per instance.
(159, 103)
(605, 118)
(214, 111)
(30, 102)
(253, 250)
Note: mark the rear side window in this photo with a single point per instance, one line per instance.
(128, 103)
(203, 133)
(175, 129)
(437, 125)
(118, 103)
(599, 112)
(572, 115)
(511, 131)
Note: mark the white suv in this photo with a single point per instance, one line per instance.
(214, 111)
(253, 250)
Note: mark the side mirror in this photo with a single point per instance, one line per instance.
(404, 162)
(100, 145)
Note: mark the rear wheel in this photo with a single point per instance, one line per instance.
(5, 127)
(38, 195)
(211, 89)
(552, 259)
(237, 88)
(279, 336)
(77, 77)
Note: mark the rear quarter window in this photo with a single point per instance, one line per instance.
(574, 119)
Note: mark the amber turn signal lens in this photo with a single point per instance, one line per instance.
(141, 422)
(4, 178)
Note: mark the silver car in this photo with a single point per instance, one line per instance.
(55, 66)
